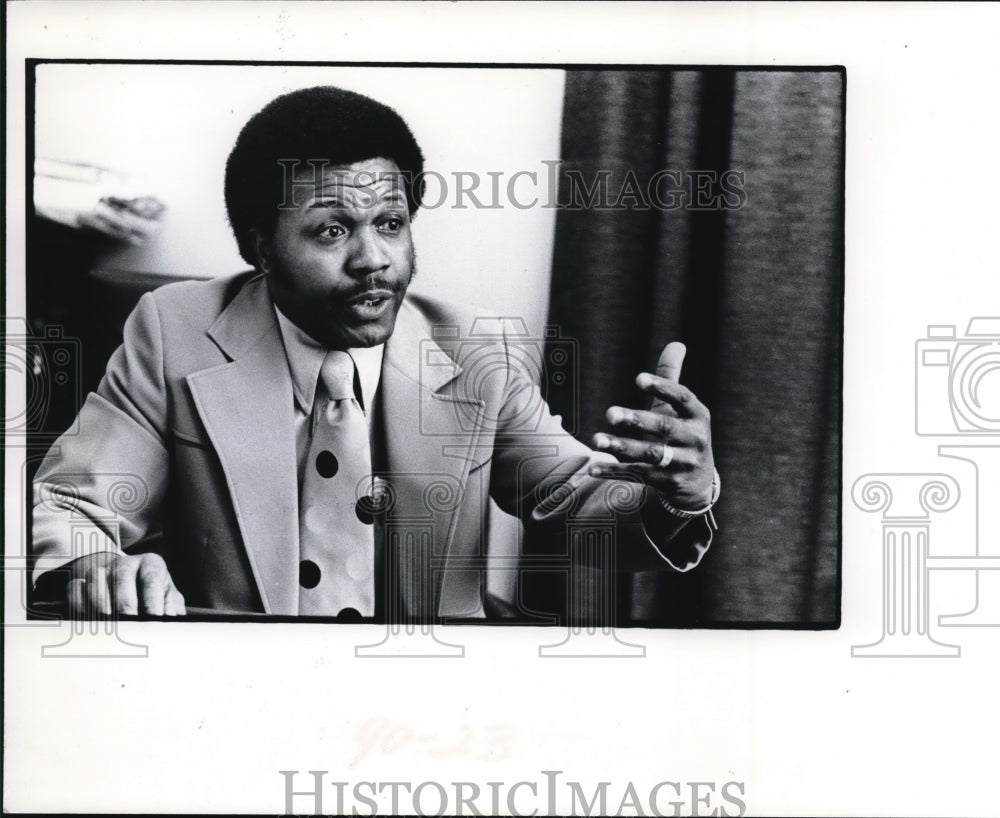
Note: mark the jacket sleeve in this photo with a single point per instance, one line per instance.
(540, 474)
(101, 484)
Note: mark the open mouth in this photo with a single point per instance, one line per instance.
(370, 304)
(370, 296)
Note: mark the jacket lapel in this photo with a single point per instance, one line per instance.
(431, 432)
(247, 410)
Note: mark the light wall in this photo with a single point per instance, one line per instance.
(170, 127)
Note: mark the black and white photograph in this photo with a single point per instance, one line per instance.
(554, 452)
(500, 408)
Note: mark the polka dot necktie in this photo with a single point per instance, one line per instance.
(336, 534)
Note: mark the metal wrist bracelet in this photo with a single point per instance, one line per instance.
(689, 515)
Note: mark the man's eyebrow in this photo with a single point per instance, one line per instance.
(359, 179)
(390, 197)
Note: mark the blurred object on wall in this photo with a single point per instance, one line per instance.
(82, 213)
(90, 197)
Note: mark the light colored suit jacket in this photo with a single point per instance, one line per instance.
(191, 431)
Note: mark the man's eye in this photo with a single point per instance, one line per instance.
(331, 231)
(393, 224)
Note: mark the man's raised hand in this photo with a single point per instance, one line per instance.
(668, 446)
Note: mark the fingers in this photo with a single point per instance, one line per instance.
(674, 394)
(153, 583)
(636, 451)
(668, 447)
(653, 453)
(671, 359)
(173, 603)
(76, 592)
(126, 585)
(668, 481)
(157, 593)
(643, 472)
(674, 429)
(643, 450)
(126, 600)
(96, 593)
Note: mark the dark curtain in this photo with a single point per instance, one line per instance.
(753, 285)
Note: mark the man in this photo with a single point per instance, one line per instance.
(310, 439)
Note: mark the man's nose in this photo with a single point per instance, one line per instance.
(368, 254)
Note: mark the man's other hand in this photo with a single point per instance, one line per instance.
(668, 446)
(104, 584)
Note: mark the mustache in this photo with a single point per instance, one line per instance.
(377, 284)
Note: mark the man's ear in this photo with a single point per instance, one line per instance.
(262, 250)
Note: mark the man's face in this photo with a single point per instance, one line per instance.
(341, 256)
